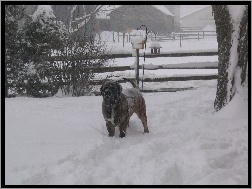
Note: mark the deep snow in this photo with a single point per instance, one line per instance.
(64, 141)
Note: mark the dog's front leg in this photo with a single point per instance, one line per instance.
(123, 127)
(110, 128)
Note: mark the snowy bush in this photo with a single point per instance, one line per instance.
(79, 56)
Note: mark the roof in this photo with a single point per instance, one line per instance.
(163, 9)
(187, 10)
(107, 9)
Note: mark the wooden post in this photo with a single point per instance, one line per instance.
(113, 37)
(180, 39)
(137, 67)
(123, 38)
(143, 77)
(203, 34)
(198, 35)
(118, 37)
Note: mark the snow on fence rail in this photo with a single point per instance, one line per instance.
(163, 79)
(186, 34)
(147, 55)
(198, 65)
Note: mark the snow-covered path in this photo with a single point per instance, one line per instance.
(64, 141)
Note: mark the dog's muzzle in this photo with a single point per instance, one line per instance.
(109, 96)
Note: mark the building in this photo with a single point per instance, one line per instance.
(156, 18)
(120, 18)
(175, 9)
(198, 19)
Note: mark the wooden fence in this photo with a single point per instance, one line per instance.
(193, 34)
(185, 34)
(159, 79)
(162, 79)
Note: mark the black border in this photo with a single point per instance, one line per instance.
(120, 3)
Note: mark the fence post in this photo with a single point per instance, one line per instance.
(143, 77)
(198, 36)
(137, 67)
(118, 37)
(113, 37)
(180, 39)
(123, 38)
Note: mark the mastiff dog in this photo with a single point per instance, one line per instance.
(118, 106)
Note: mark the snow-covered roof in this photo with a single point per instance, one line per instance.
(186, 10)
(209, 28)
(107, 9)
(155, 44)
(163, 9)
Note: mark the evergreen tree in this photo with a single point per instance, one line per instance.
(13, 42)
(42, 35)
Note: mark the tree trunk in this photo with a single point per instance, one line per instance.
(243, 48)
(228, 67)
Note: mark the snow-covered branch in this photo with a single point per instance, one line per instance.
(85, 18)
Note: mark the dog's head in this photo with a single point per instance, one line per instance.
(111, 91)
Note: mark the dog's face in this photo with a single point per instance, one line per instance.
(111, 91)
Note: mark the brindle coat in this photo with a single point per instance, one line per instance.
(118, 106)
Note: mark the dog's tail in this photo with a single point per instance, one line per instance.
(132, 82)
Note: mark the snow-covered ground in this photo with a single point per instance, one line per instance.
(64, 141)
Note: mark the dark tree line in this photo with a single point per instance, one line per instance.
(30, 65)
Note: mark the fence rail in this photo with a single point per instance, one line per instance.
(125, 55)
(167, 66)
(163, 79)
(185, 34)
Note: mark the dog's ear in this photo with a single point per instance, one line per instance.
(119, 87)
(101, 89)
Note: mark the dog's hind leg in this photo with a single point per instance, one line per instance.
(110, 128)
(142, 116)
(144, 122)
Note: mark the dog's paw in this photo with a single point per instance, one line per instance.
(122, 135)
(146, 130)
